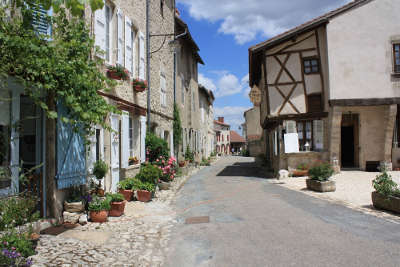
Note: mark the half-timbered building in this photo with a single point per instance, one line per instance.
(330, 88)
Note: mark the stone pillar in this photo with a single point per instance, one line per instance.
(390, 120)
(335, 124)
(142, 139)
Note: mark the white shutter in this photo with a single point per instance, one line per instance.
(141, 57)
(120, 38)
(318, 135)
(91, 159)
(128, 45)
(125, 140)
(100, 29)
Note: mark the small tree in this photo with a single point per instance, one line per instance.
(156, 147)
(177, 125)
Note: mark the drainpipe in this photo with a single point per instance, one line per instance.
(148, 61)
(44, 206)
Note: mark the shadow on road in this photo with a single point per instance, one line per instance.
(246, 169)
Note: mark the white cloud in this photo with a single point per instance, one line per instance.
(233, 115)
(225, 84)
(246, 19)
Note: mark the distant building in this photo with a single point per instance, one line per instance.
(238, 143)
(253, 132)
(222, 131)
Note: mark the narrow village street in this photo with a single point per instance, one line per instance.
(254, 222)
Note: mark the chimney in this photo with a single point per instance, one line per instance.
(221, 119)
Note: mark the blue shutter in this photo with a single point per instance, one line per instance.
(71, 157)
(40, 22)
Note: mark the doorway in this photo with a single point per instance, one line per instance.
(349, 141)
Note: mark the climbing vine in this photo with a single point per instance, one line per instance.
(62, 69)
(177, 128)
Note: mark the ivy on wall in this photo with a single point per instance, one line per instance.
(63, 67)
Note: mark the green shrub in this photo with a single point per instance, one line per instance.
(100, 169)
(189, 155)
(302, 167)
(117, 197)
(16, 211)
(126, 184)
(385, 186)
(19, 241)
(148, 186)
(99, 204)
(156, 147)
(321, 172)
(149, 173)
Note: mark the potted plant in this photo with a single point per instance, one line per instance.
(319, 178)
(144, 190)
(301, 170)
(98, 209)
(146, 180)
(387, 193)
(189, 155)
(5, 180)
(182, 163)
(118, 202)
(117, 72)
(168, 169)
(139, 85)
(125, 188)
(100, 170)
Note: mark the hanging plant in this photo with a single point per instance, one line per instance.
(139, 85)
(117, 73)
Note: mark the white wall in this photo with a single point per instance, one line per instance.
(360, 51)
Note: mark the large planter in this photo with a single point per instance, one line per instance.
(144, 195)
(326, 186)
(127, 194)
(164, 185)
(117, 209)
(300, 173)
(139, 88)
(74, 207)
(385, 203)
(99, 216)
(4, 183)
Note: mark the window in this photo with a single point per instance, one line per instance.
(163, 90)
(129, 46)
(141, 57)
(396, 57)
(314, 102)
(222, 138)
(120, 38)
(40, 21)
(304, 130)
(193, 102)
(98, 144)
(108, 20)
(162, 8)
(311, 65)
(227, 138)
(183, 89)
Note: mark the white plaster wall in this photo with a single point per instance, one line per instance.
(360, 51)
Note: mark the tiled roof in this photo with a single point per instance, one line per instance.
(221, 123)
(236, 138)
(308, 25)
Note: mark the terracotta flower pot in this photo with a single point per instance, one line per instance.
(182, 164)
(117, 209)
(144, 195)
(127, 194)
(113, 75)
(139, 88)
(99, 216)
(300, 173)
(100, 192)
(164, 185)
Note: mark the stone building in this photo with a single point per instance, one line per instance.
(253, 132)
(192, 108)
(207, 134)
(120, 31)
(222, 132)
(237, 143)
(162, 23)
(330, 92)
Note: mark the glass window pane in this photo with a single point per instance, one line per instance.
(306, 63)
(314, 62)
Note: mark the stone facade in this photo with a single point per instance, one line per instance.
(339, 112)
(253, 131)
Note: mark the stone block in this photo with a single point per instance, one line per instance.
(71, 217)
(326, 186)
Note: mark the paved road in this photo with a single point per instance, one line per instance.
(256, 223)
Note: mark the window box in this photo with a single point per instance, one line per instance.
(117, 73)
(139, 85)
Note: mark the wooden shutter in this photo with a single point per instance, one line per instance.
(128, 45)
(318, 135)
(141, 57)
(71, 153)
(314, 103)
(100, 29)
(125, 140)
(120, 38)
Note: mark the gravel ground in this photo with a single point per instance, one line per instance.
(353, 189)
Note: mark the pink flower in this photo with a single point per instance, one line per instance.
(157, 160)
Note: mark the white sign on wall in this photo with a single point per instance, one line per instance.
(291, 143)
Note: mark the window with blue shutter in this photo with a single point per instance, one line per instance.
(40, 22)
(71, 160)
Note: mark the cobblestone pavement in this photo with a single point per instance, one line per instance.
(138, 238)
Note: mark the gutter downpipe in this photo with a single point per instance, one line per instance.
(148, 63)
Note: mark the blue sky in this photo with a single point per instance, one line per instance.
(225, 29)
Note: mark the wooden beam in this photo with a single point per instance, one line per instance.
(321, 73)
(282, 68)
(304, 81)
(283, 84)
(295, 43)
(287, 100)
(295, 117)
(364, 102)
(292, 51)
